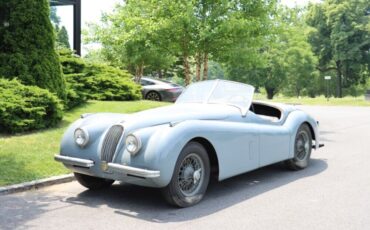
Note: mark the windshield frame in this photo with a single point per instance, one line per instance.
(243, 109)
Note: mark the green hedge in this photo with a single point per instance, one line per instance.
(95, 81)
(76, 94)
(25, 108)
(107, 83)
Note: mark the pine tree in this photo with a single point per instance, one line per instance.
(62, 38)
(27, 42)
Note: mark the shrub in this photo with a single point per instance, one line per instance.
(95, 81)
(71, 63)
(76, 94)
(103, 82)
(25, 108)
(27, 43)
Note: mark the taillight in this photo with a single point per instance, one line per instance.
(173, 90)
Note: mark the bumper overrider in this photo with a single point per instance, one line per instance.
(128, 170)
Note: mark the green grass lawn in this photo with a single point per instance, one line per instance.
(29, 156)
(346, 101)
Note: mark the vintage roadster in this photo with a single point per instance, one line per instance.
(213, 129)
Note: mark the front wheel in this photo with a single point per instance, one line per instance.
(302, 149)
(93, 183)
(190, 178)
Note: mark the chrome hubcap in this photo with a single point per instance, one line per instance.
(190, 176)
(302, 145)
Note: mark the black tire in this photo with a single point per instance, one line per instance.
(93, 183)
(153, 96)
(302, 149)
(192, 158)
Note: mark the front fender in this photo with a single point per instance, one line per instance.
(295, 119)
(162, 146)
(95, 124)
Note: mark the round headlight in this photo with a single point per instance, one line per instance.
(81, 137)
(133, 144)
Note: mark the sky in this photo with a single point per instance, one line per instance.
(93, 9)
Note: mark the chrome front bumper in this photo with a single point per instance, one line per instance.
(130, 171)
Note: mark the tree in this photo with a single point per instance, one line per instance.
(223, 23)
(130, 39)
(341, 39)
(299, 59)
(199, 30)
(55, 19)
(177, 29)
(63, 38)
(262, 62)
(27, 45)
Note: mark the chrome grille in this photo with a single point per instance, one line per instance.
(110, 142)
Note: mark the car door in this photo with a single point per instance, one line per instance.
(274, 142)
(237, 145)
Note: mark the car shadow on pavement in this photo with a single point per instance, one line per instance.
(147, 203)
(17, 209)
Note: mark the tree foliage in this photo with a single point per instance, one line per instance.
(63, 38)
(341, 39)
(156, 33)
(27, 45)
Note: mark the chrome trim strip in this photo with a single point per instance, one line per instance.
(133, 171)
(74, 161)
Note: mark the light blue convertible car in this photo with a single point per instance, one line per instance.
(213, 129)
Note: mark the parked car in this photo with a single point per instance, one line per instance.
(160, 90)
(213, 129)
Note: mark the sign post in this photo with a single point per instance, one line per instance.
(327, 79)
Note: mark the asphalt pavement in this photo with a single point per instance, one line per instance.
(332, 193)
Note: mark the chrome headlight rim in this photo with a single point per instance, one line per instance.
(138, 145)
(86, 134)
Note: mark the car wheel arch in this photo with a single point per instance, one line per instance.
(212, 154)
(311, 130)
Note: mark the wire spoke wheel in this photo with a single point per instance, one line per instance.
(302, 145)
(190, 175)
(302, 149)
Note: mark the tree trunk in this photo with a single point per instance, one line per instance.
(160, 73)
(186, 69)
(339, 79)
(298, 92)
(205, 66)
(270, 92)
(137, 74)
(198, 66)
(139, 70)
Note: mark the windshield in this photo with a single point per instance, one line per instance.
(219, 92)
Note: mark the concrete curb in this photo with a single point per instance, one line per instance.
(36, 184)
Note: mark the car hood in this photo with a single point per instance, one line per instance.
(159, 116)
(180, 112)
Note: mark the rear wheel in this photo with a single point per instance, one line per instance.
(190, 178)
(153, 96)
(302, 149)
(93, 183)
